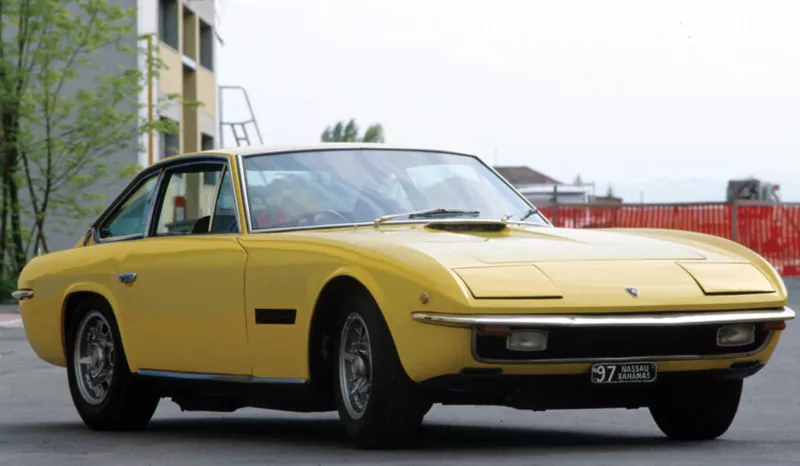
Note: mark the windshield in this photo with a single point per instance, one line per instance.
(332, 187)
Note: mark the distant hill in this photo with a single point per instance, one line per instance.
(664, 190)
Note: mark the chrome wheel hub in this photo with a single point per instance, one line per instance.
(355, 365)
(94, 357)
(98, 358)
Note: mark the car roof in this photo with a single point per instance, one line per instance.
(271, 149)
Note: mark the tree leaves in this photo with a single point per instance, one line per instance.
(64, 116)
(349, 133)
(374, 134)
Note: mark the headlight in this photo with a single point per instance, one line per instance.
(736, 335)
(527, 340)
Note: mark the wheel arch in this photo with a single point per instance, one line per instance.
(75, 295)
(335, 288)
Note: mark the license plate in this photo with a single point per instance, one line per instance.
(626, 372)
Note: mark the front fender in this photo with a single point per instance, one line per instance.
(399, 294)
(54, 277)
(716, 245)
(360, 274)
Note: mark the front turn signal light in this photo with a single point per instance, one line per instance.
(774, 326)
(493, 330)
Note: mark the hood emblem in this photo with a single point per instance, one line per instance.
(632, 291)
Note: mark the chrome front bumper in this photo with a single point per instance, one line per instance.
(613, 324)
(606, 320)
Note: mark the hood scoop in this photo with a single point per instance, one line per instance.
(467, 226)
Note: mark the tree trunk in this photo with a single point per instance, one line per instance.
(4, 256)
(11, 207)
(16, 226)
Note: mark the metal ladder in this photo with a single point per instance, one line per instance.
(238, 128)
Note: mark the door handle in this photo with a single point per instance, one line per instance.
(127, 278)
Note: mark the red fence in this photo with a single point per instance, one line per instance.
(772, 230)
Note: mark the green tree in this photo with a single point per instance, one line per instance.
(341, 132)
(56, 140)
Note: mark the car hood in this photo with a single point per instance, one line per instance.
(550, 244)
(530, 262)
(518, 245)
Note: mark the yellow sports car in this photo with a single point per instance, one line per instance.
(376, 281)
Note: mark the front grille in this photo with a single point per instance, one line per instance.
(618, 342)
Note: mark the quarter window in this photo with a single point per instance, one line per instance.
(131, 217)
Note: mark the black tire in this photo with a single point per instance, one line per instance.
(126, 405)
(697, 411)
(396, 405)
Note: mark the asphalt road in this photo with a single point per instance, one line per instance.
(39, 426)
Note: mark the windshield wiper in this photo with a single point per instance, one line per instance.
(427, 213)
(528, 213)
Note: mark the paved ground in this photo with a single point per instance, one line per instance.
(10, 321)
(9, 316)
(38, 426)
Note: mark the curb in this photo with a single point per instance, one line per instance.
(17, 323)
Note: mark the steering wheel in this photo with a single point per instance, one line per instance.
(311, 217)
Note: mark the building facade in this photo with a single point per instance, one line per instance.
(543, 190)
(184, 38)
(187, 45)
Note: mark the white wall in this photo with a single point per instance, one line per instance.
(202, 8)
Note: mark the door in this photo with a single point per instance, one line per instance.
(183, 284)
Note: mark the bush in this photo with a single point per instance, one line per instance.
(7, 286)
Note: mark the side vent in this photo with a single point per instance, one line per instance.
(467, 226)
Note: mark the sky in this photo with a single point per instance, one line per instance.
(662, 100)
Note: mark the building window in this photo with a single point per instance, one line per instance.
(210, 178)
(168, 22)
(170, 143)
(189, 34)
(206, 45)
(207, 142)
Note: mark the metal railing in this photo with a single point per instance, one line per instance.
(239, 128)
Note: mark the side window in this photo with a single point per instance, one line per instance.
(131, 217)
(188, 200)
(225, 211)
